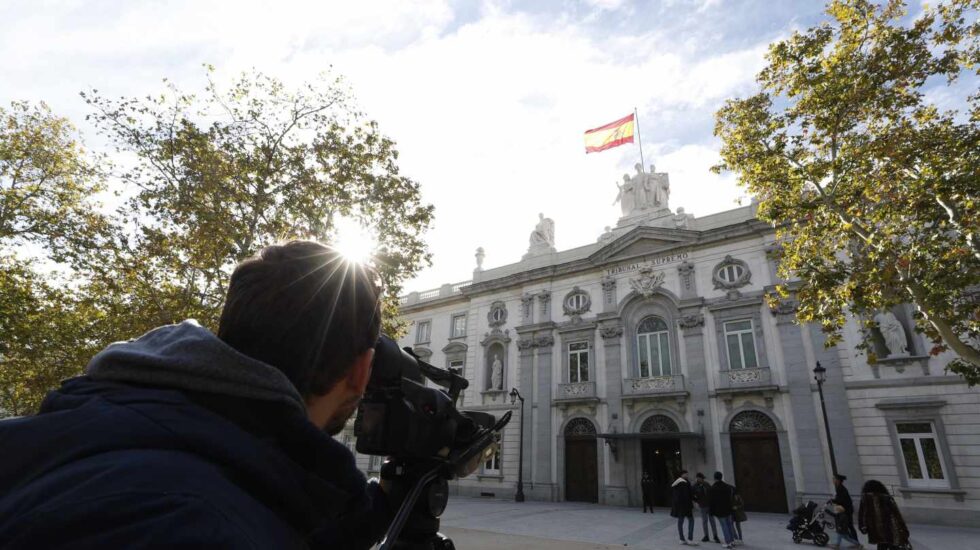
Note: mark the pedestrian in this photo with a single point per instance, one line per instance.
(701, 488)
(880, 519)
(844, 509)
(720, 503)
(682, 507)
(193, 439)
(646, 485)
(738, 514)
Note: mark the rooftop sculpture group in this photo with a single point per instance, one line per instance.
(643, 191)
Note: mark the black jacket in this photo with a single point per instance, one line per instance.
(682, 503)
(107, 464)
(701, 493)
(720, 499)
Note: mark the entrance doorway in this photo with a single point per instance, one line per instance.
(757, 463)
(581, 461)
(662, 460)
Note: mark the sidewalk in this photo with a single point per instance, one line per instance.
(476, 523)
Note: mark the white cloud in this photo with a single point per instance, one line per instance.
(488, 116)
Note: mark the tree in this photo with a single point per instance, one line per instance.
(47, 212)
(48, 335)
(46, 182)
(218, 177)
(873, 188)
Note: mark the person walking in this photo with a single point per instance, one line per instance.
(700, 489)
(738, 514)
(646, 486)
(682, 507)
(880, 519)
(844, 508)
(720, 504)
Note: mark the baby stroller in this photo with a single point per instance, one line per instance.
(808, 524)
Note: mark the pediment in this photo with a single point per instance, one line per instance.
(644, 241)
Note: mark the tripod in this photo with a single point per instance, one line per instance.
(416, 525)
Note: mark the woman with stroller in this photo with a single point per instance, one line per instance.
(880, 519)
(844, 514)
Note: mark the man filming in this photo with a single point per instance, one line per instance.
(184, 438)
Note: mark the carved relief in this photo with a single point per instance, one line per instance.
(745, 376)
(644, 385)
(525, 344)
(498, 314)
(686, 271)
(544, 299)
(731, 274)
(576, 303)
(691, 321)
(527, 303)
(609, 289)
(544, 341)
(648, 282)
(610, 332)
(784, 307)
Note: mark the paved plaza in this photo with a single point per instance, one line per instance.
(476, 524)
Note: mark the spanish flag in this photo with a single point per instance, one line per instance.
(611, 135)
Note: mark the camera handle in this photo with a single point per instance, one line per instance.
(425, 535)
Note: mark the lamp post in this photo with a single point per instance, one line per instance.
(820, 375)
(519, 496)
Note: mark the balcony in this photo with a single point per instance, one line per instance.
(576, 391)
(746, 381)
(656, 386)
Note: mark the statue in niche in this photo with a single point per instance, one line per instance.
(893, 332)
(496, 374)
(544, 232)
(626, 196)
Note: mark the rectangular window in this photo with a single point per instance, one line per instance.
(922, 456)
(374, 463)
(456, 366)
(741, 345)
(459, 325)
(492, 465)
(654, 354)
(578, 362)
(423, 331)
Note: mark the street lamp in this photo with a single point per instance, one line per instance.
(820, 375)
(519, 496)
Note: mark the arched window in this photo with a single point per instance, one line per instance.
(752, 421)
(659, 423)
(580, 427)
(653, 348)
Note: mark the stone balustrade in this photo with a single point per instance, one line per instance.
(653, 386)
(745, 378)
(576, 391)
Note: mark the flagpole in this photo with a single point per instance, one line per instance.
(639, 140)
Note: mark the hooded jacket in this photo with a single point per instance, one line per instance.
(682, 504)
(176, 439)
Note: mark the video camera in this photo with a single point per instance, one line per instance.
(427, 439)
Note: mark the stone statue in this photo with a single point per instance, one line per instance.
(644, 193)
(661, 188)
(544, 232)
(496, 374)
(626, 196)
(893, 332)
(480, 255)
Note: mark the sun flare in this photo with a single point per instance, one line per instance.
(354, 241)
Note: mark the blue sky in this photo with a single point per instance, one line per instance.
(486, 100)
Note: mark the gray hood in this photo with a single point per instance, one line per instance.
(188, 356)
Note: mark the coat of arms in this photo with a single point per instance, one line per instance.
(648, 282)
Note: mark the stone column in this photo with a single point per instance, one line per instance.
(616, 491)
(543, 488)
(838, 411)
(525, 350)
(799, 376)
(696, 382)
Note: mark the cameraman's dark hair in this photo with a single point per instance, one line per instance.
(304, 309)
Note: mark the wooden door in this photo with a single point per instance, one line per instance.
(662, 460)
(759, 472)
(581, 469)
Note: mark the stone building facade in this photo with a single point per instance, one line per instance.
(654, 349)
